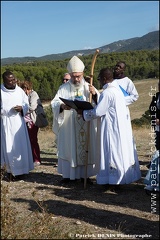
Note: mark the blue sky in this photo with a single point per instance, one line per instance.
(38, 28)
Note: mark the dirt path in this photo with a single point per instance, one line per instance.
(94, 212)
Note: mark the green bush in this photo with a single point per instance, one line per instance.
(49, 114)
(144, 120)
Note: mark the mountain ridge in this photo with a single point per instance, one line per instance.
(149, 41)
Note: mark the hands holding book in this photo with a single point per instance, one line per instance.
(65, 107)
(75, 104)
(79, 112)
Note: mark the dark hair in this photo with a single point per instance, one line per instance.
(107, 73)
(6, 74)
(123, 63)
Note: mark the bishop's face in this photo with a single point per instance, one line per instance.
(76, 78)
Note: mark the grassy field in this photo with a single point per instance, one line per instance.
(145, 88)
(39, 207)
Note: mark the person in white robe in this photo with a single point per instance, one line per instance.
(118, 163)
(129, 91)
(16, 153)
(126, 85)
(70, 129)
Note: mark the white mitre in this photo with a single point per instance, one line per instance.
(75, 65)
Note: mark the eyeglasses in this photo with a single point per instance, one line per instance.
(77, 76)
(65, 79)
(119, 66)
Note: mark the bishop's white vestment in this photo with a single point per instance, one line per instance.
(16, 153)
(74, 134)
(118, 162)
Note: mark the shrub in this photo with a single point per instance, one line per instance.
(144, 120)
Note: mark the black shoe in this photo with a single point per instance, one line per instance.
(7, 177)
(13, 178)
(65, 180)
(68, 180)
(148, 165)
(89, 181)
(113, 188)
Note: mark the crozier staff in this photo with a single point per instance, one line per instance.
(90, 80)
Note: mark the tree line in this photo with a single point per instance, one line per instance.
(46, 76)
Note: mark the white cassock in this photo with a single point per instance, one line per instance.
(72, 134)
(118, 164)
(132, 95)
(16, 153)
(127, 84)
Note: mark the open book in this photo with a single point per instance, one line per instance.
(77, 104)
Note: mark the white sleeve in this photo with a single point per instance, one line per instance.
(133, 94)
(57, 116)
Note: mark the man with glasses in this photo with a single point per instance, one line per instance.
(70, 129)
(66, 78)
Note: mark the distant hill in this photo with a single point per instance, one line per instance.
(149, 41)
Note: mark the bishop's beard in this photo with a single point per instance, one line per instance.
(78, 85)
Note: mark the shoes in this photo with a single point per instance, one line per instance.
(148, 165)
(12, 178)
(67, 180)
(113, 188)
(36, 164)
(89, 181)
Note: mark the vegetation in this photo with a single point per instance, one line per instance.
(38, 225)
(39, 207)
(144, 120)
(46, 76)
(49, 114)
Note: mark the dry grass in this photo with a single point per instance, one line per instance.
(39, 207)
(145, 89)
